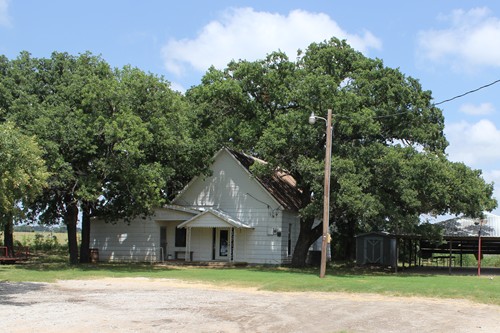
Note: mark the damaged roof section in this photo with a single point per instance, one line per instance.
(281, 185)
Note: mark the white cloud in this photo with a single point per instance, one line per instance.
(243, 33)
(492, 176)
(477, 110)
(474, 144)
(471, 40)
(4, 13)
(177, 87)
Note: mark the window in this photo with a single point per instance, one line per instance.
(180, 237)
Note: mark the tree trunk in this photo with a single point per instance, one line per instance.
(350, 243)
(8, 234)
(85, 242)
(307, 236)
(70, 219)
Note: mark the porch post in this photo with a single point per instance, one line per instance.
(230, 244)
(188, 244)
(233, 237)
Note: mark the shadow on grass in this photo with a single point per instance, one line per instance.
(343, 270)
(108, 267)
(58, 261)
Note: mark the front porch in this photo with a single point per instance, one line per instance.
(215, 240)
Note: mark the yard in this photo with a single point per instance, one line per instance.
(55, 297)
(155, 305)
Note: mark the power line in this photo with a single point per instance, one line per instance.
(434, 104)
(467, 93)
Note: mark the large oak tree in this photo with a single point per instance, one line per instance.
(23, 176)
(117, 141)
(389, 163)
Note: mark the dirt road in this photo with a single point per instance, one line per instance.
(157, 305)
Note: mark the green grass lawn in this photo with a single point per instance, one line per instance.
(338, 279)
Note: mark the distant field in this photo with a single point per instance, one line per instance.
(28, 238)
(42, 240)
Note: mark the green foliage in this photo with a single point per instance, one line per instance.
(23, 173)
(469, 260)
(113, 138)
(430, 231)
(117, 142)
(41, 241)
(389, 163)
(49, 242)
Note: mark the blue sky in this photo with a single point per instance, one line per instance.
(451, 46)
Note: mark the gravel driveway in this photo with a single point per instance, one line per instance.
(162, 305)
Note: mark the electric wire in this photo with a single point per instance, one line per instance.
(467, 93)
(433, 104)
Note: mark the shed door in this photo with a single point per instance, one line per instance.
(373, 251)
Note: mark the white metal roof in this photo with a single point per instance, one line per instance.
(465, 226)
(223, 220)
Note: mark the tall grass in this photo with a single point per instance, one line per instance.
(489, 260)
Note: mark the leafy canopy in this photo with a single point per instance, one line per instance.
(23, 173)
(389, 163)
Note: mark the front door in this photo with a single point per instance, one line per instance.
(222, 244)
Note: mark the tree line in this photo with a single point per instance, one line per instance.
(114, 143)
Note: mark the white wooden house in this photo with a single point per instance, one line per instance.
(231, 215)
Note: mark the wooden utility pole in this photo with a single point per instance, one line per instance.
(326, 195)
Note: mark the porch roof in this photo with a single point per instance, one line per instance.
(213, 218)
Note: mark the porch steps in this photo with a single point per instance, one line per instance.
(202, 263)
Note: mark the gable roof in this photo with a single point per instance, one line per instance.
(280, 185)
(206, 220)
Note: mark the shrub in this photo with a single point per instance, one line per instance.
(44, 243)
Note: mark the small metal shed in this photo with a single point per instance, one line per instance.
(376, 248)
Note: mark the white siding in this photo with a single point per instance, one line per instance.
(290, 219)
(139, 240)
(201, 244)
(233, 190)
(209, 220)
